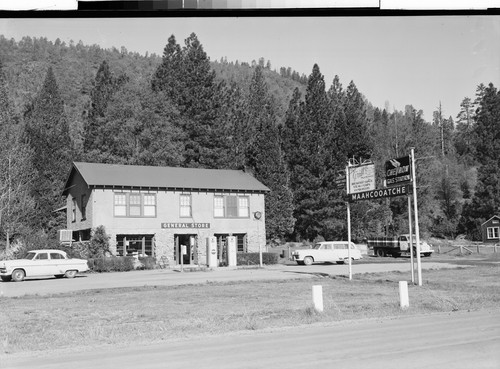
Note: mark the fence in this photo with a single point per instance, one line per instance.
(467, 248)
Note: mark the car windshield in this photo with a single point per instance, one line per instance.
(317, 246)
(30, 255)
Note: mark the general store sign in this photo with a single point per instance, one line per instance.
(361, 178)
(185, 225)
(379, 193)
(398, 171)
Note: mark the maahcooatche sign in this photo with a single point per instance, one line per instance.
(379, 193)
(398, 171)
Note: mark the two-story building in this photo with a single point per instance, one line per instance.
(155, 211)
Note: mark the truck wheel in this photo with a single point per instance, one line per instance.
(380, 253)
(308, 260)
(414, 250)
(18, 275)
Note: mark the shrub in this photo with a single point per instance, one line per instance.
(252, 258)
(148, 262)
(112, 264)
(99, 242)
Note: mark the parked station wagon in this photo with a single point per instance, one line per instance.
(38, 263)
(327, 251)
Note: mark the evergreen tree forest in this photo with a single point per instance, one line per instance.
(295, 133)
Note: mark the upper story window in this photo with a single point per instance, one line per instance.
(231, 206)
(149, 205)
(84, 207)
(73, 210)
(185, 206)
(134, 204)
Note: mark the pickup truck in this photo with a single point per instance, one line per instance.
(327, 251)
(39, 263)
(397, 246)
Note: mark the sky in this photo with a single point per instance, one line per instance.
(394, 61)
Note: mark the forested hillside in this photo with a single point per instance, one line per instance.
(61, 103)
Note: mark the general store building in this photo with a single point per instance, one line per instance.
(158, 211)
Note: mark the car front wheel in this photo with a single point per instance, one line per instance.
(18, 275)
(70, 273)
(308, 260)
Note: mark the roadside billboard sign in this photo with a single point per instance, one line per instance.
(361, 178)
(399, 190)
(398, 171)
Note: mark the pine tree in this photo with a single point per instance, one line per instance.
(47, 132)
(186, 77)
(486, 200)
(357, 141)
(266, 160)
(308, 141)
(16, 174)
(105, 86)
(462, 139)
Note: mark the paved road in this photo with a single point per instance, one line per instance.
(163, 277)
(458, 340)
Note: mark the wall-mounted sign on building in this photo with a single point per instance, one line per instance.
(185, 225)
(398, 171)
(361, 178)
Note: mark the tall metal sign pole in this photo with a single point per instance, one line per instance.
(411, 241)
(415, 207)
(348, 222)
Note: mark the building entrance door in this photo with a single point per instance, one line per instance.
(191, 255)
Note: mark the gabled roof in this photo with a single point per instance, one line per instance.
(149, 177)
(494, 216)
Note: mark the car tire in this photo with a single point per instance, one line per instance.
(6, 278)
(70, 273)
(18, 275)
(308, 260)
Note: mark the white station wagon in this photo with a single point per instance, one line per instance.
(38, 263)
(327, 251)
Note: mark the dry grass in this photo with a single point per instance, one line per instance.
(149, 314)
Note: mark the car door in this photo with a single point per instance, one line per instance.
(342, 251)
(57, 262)
(40, 265)
(327, 252)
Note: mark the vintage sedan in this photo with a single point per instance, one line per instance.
(327, 251)
(40, 263)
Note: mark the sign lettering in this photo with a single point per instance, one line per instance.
(379, 193)
(186, 225)
(361, 178)
(398, 171)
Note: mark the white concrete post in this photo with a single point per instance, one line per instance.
(404, 301)
(317, 294)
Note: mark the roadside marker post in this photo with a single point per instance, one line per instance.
(317, 295)
(404, 301)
